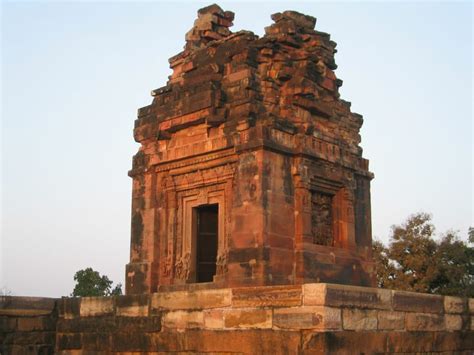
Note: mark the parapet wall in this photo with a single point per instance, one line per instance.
(306, 319)
(27, 325)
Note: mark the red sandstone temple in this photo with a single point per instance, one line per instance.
(249, 170)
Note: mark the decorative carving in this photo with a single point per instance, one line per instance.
(182, 267)
(166, 266)
(322, 219)
(221, 263)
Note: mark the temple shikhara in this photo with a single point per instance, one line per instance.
(250, 170)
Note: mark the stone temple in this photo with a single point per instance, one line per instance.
(250, 219)
(250, 170)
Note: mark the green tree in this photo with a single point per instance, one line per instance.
(415, 261)
(91, 283)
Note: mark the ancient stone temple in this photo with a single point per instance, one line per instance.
(250, 170)
(250, 208)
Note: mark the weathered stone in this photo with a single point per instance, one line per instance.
(359, 319)
(183, 319)
(313, 317)
(96, 306)
(424, 322)
(192, 299)
(130, 341)
(66, 341)
(87, 324)
(417, 302)
(390, 320)
(214, 319)
(343, 342)
(284, 296)
(248, 330)
(69, 307)
(132, 305)
(340, 296)
(19, 305)
(454, 304)
(248, 318)
(453, 322)
(97, 341)
(413, 342)
(8, 324)
(28, 324)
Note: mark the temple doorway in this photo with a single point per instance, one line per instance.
(206, 242)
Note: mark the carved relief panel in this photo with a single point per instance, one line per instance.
(322, 221)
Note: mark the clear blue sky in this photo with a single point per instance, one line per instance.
(74, 74)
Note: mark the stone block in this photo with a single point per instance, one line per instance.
(69, 307)
(344, 342)
(454, 342)
(248, 318)
(471, 305)
(96, 341)
(66, 341)
(308, 317)
(453, 322)
(20, 305)
(454, 304)
(191, 299)
(132, 305)
(424, 322)
(214, 319)
(417, 302)
(29, 324)
(390, 320)
(7, 324)
(346, 296)
(410, 342)
(130, 341)
(276, 296)
(314, 294)
(183, 319)
(235, 341)
(96, 306)
(86, 324)
(359, 319)
(30, 338)
(145, 324)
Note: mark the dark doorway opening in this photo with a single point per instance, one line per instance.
(206, 242)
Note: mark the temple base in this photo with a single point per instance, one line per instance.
(310, 318)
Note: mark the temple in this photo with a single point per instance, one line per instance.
(250, 171)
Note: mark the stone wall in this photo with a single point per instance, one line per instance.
(27, 325)
(302, 319)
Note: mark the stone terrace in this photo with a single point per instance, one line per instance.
(302, 319)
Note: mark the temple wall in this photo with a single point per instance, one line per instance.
(302, 319)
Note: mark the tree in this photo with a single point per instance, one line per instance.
(91, 283)
(415, 261)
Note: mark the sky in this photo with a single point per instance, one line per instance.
(73, 75)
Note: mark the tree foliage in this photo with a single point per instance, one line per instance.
(415, 261)
(90, 283)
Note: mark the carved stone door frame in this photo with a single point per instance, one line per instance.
(186, 262)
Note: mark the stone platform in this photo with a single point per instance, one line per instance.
(306, 319)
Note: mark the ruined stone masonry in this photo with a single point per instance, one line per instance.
(294, 319)
(249, 171)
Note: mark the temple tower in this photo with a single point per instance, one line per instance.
(249, 170)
